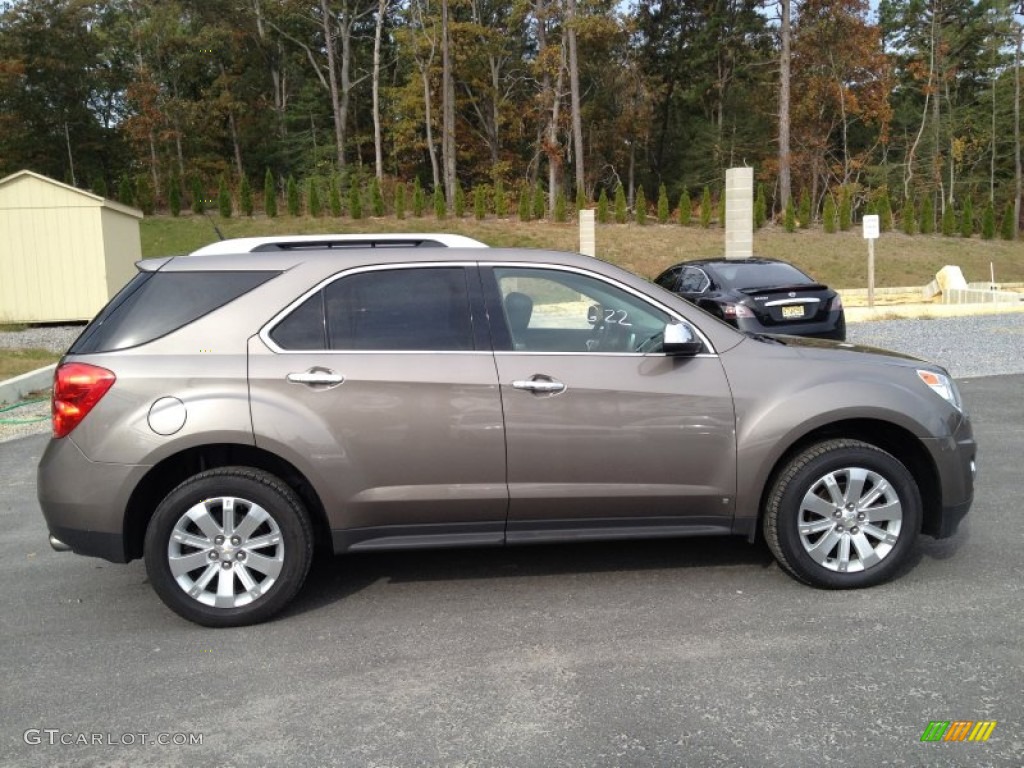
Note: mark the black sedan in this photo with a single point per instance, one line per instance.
(759, 295)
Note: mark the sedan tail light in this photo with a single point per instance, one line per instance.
(736, 310)
(837, 303)
(77, 387)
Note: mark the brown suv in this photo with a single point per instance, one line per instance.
(226, 414)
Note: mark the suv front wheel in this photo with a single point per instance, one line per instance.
(229, 547)
(842, 514)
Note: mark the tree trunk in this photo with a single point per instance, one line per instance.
(378, 144)
(1016, 128)
(336, 110)
(574, 91)
(447, 108)
(785, 183)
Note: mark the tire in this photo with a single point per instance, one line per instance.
(206, 575)
(842, 514)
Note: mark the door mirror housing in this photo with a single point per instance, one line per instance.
(680, 341)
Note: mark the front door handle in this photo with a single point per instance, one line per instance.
(316, 377)
(539, 385)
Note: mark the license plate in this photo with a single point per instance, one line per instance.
(792, 311)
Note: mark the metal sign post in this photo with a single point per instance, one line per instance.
(871, 230)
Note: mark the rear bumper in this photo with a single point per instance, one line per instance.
(832, 327)
(83, 501)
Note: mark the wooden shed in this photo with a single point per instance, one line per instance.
(63, 251)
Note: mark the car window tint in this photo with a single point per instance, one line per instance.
(422, 309)
(304, 327)
(556, 311)
(694, 280)
(154, 304)
(741, 276)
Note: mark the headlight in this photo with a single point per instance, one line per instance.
(943, 386)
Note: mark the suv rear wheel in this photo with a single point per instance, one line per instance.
(229, 547)
(842, 514)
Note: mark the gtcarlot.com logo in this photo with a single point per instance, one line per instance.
(55, 736)
(958, 730)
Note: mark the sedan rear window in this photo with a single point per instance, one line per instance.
(741, 276)
(154, 304)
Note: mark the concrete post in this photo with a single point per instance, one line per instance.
(739, 213)
(588, 239)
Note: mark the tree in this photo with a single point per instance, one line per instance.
(539, 207)
(620, 205)
(174, 195)
(908, 217)
(988, 222)
(245, 201)
(334, 197)
(376, 197)
(927, 221)
(1008, 228)
(685, 209)
(223, 199)
(967, 218)
(125, 193)
(760, 207)
(198, 203)
(804, 210)
(885, 211)
(790, 218)
(440, 208)
(269, 195)
(294, 197)
(479, 203)
(400, 200)
(525, 204)
(316, 209)
(640, 214)
(460, 201)
(785, 77)
(662, 204)
(948, 222)
(602, 207)
(828, 216)
(705, 208)
(845, 209)
(355, 200)
(500, 200)
(560, 203)
(418, 198)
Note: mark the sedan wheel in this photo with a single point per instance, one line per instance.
(842, 514)
(229, 547)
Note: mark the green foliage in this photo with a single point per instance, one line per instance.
(705, 208)
(845, 209)
(804, 210)
(400, 200)
(721, 209)
(440, 207)
(376, 197)
(581, 199)
(560, 204)
(459, 204)
(245, 202)
(500, 200)
(525, 205)
(294, 197)
(174, 195)
(144, 197)
(316, 208)
(125, 193)
(640, 209)
(620, 205)
(1007, 229)
(685, 209)
(908, 217)
(419, 201)
(602, 207)
(99, 186)
(927, 216)
(828, 216)
(662, 205)
(269, 195)
(967, 218)
(539, 206)
(885, 211)
(479, 203)
(223, 199)
(355, 200)
(988, 222)
(334, 196)
(198, 204)
(760, 207)
(948, 221)
(790, 218)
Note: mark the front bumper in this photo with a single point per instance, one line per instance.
(955, 460)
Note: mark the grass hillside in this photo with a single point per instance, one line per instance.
(840, 259)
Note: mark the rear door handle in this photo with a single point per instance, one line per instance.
(322, 377)
(540, 386)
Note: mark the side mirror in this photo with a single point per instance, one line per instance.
(680, 341)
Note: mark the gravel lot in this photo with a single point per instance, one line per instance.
(984, 345)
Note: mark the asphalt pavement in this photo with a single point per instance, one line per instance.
(698, 652)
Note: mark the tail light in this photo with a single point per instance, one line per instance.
(837, 303)
(736, 310)
(77, 387)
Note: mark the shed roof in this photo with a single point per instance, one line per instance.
(99, 202)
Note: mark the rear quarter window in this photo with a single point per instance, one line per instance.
(154, 304)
